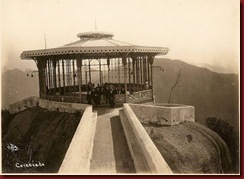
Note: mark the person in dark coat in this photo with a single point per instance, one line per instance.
(106, 92)
(93, 96)
(122, 91)
(89, 95)
(111, 96)
(97, 94)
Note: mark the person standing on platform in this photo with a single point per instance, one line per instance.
(111, 96)
(89, 95)
(122, 90)
(106, 92)
(93, 95)
(98, 93)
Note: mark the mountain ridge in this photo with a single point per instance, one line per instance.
(213, 94)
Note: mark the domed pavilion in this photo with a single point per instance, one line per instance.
(64, 72)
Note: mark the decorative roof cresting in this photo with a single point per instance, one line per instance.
(95, 35)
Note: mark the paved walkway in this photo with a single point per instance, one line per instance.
(110, 152)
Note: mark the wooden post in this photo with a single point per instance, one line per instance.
(129, 73)
(68, 75)
(46, 78)
(100, 72)
(134, 73)
(89, 70)
(41, 65)
(49, 75)
(59, 79)
(137, 74)
(54, 76)
(73, 65)
(63, 76)
(148, 72)
(141, 74)
(108, 63)
(78, 63)
(118, 62)
(151, 58)
(144, 72)
(124, 61)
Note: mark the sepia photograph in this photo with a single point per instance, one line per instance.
(120, 87)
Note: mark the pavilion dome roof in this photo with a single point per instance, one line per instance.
(96, 39)
(95, 43)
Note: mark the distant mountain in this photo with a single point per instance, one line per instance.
(16, 85)
(211, 93)
(4, 69)
(218, 69)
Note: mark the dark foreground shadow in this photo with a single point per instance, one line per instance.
(124, 162)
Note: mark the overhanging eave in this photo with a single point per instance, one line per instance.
(93, 51)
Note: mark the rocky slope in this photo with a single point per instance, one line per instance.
(40, 136)
(190, 148)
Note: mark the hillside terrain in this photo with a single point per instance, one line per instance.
(40, 136)
(190, 148)
(16, 85)
(212, 94)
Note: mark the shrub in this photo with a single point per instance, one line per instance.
(229, 135)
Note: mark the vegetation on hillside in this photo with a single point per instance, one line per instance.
(6, 120)
(230, 136)
(36, 136)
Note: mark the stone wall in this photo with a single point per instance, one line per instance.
(154, 159)
(163, 114)
(78, 156)
(46, 104)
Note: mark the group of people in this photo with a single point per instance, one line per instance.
(105, 92)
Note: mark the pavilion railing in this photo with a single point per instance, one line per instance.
(140, 96)
(136, 97)
(69, 99)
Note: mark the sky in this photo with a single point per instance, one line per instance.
(196, 31)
